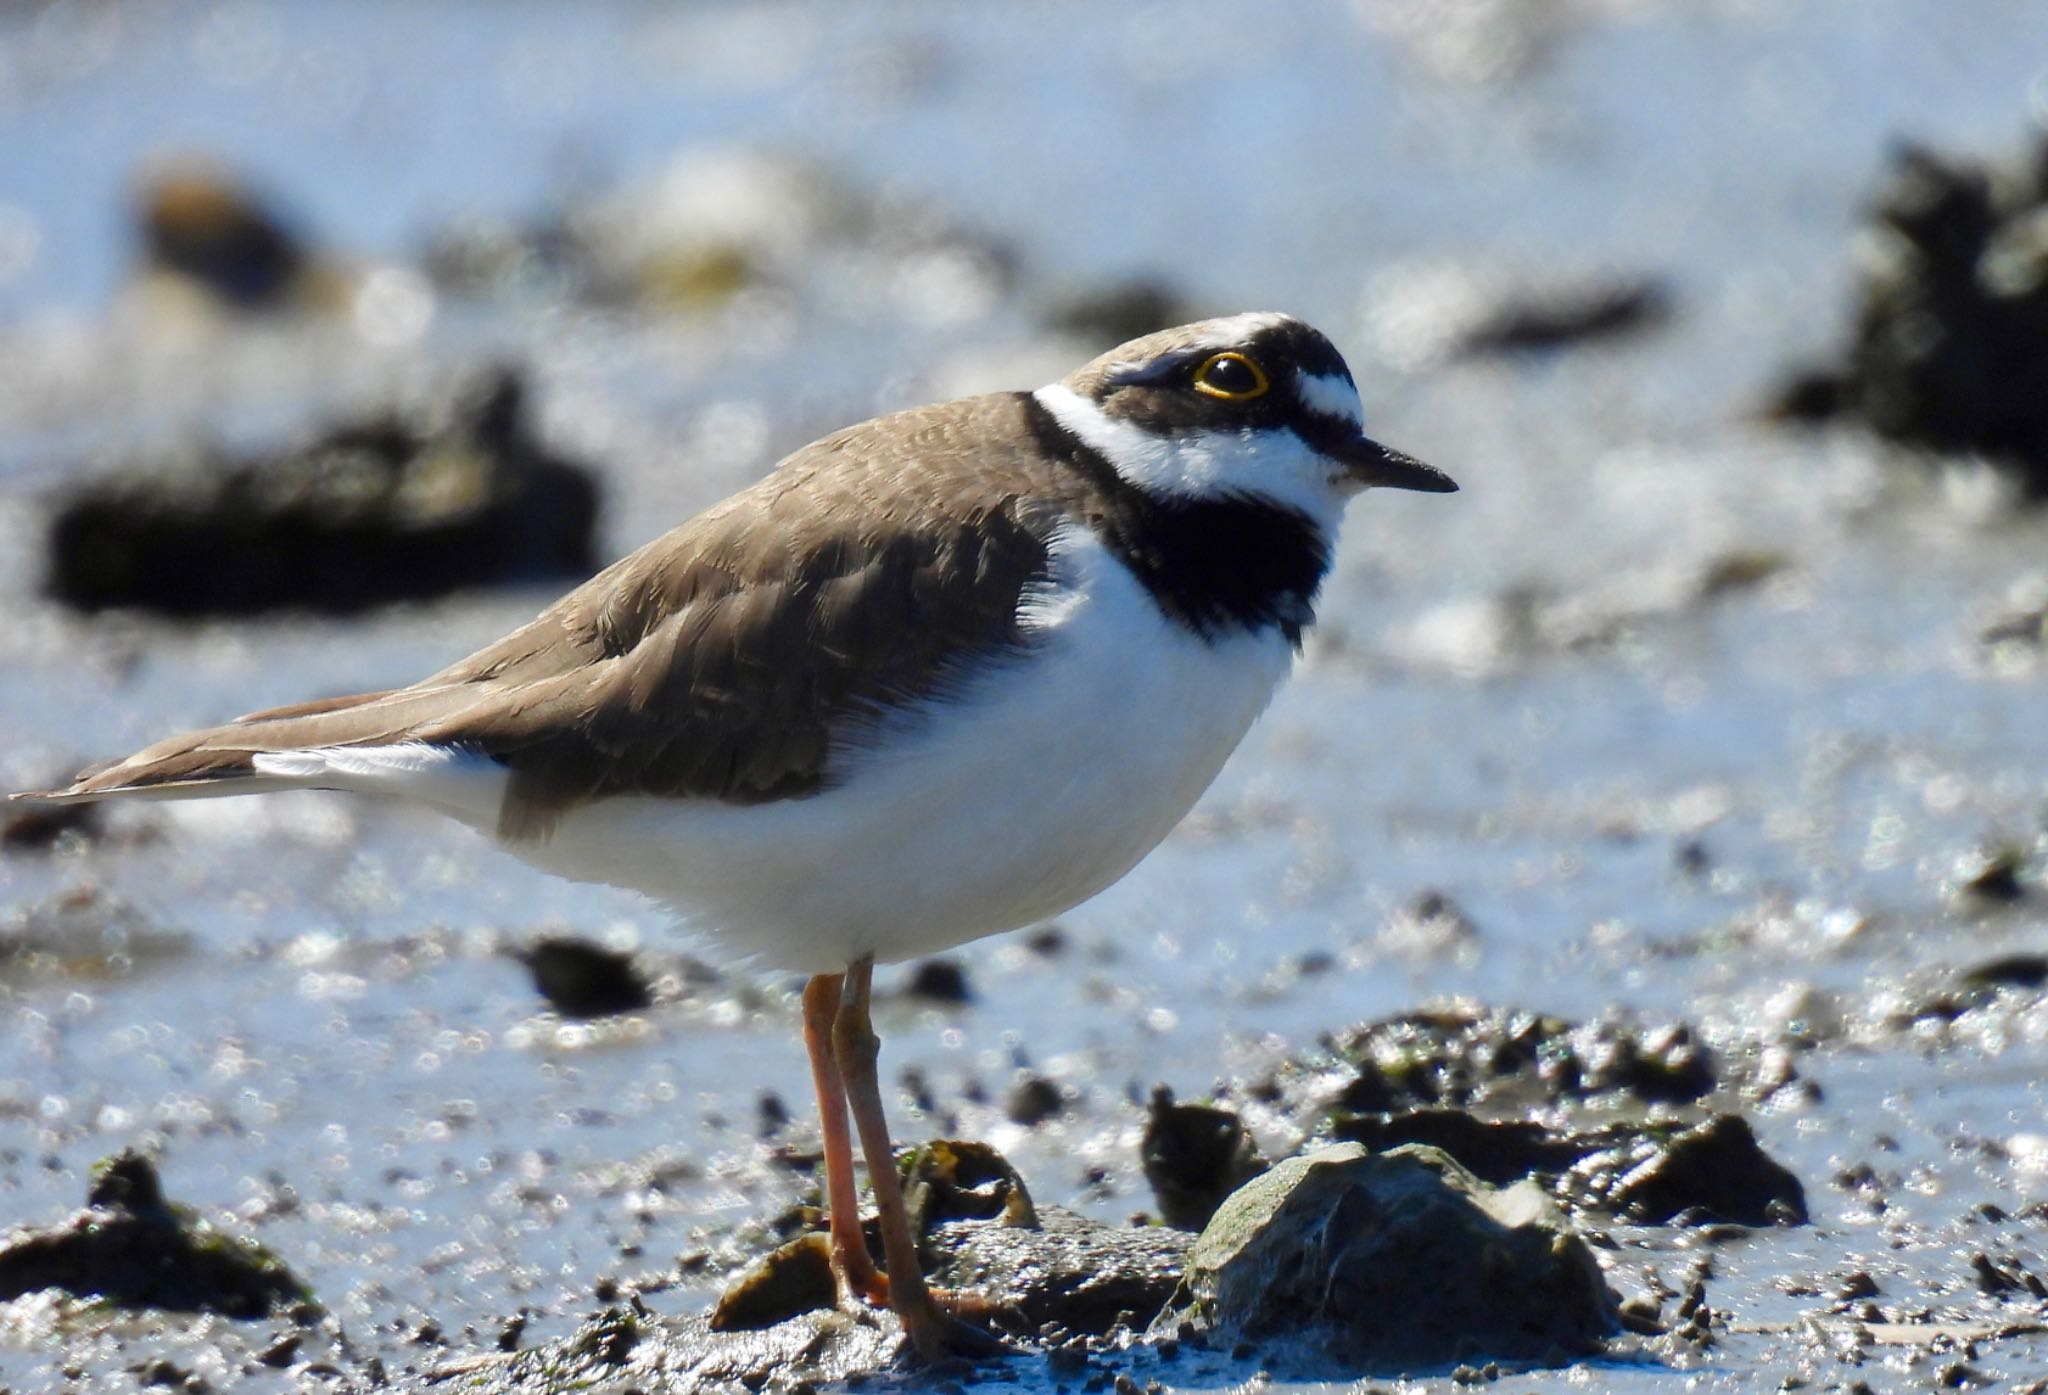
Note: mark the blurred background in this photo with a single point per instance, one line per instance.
(337, 339)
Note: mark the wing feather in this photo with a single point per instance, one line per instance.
(725, 659)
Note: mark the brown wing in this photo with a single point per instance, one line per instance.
(724, 659)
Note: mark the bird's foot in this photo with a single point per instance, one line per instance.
(941, 1322)
(939, 1328)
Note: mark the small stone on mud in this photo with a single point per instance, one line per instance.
(939, 981)
(203, 228)
(797, 1278)
(581, 980)
(1047, 942)
(1498, 1151)
(1320, 1257)
(1033, 1100)
(282, 1352)
(1194, 1156)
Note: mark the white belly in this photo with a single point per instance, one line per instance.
(1036, 788)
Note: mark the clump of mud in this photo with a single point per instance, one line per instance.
(1461, 1056)
(134, 1249)
(1950, 341)
(405, 504)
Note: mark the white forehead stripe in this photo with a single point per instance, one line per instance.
(1332, 394)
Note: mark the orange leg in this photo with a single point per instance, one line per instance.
(850, 1255)
(854, 1043)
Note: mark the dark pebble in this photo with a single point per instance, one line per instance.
(1566, 315)
(1048, 942)
(283, 1351)
(581, 980)
(939, 981)
(1033, 1100)
(2010, 971)
(204, 227)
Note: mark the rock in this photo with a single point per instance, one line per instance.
(1381, 1264)
(1195, 1156)
(1950, 342)
(1047, 942)
(407, 504)
(582, 980)
(1716, 1170)
(132, 1248)
(795, 1278)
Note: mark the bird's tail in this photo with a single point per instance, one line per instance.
(246, 756)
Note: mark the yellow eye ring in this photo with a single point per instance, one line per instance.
(1231, 389)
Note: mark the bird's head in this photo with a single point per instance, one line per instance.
(1256, 406)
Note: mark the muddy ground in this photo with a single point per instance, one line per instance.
(1677, 716)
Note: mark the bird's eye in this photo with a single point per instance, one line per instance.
(1232, 377)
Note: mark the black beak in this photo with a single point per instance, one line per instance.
(1370, 463)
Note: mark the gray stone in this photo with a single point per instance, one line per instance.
(1392, 1262)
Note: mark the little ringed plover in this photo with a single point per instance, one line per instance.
(937, 675)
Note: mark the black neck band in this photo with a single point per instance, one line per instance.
(1236, 563)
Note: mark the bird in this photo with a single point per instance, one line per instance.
(937, 675)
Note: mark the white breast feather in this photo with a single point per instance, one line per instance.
(1040, 783)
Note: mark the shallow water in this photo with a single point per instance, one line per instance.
(1519, 695)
